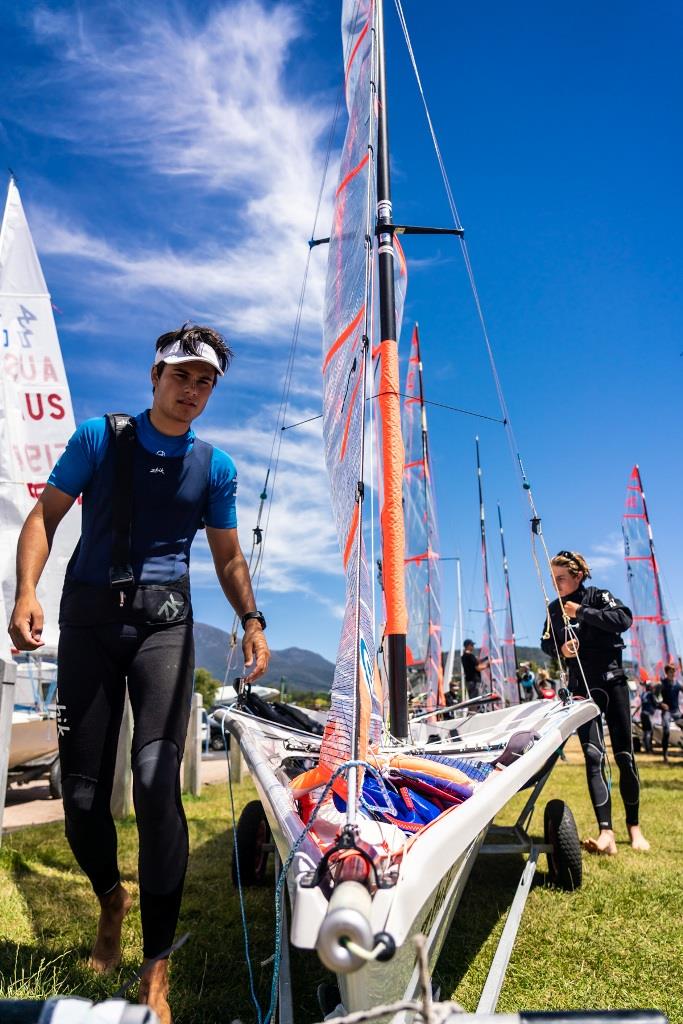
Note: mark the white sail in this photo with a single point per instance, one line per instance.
(36, 415)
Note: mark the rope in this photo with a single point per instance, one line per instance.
(245, 930)
(514, 449)
(276, 445)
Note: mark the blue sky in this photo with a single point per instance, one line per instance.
(170, 155)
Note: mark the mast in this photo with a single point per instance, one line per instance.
(489, 647)
(482, 527)
(509, 646)
(393, 534)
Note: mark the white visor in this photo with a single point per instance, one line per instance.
(174, 354)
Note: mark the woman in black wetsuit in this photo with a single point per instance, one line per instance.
(590, 643)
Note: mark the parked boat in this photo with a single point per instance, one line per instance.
(378, 828)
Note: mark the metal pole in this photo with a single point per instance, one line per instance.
(508, 596)
(396, 642)
(8, 676)
(122, 792)
(192, 761)
(461, 631)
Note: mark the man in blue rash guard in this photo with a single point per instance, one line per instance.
(136, 632)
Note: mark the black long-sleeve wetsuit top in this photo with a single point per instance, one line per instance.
(599, 623)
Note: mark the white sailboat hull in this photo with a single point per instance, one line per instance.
(435, 863)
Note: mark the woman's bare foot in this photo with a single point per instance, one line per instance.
(638, 840)
(605, 843)
(106, 953)
(153, 991)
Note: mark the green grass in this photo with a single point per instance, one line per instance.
(614, 943)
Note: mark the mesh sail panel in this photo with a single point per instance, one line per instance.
(511, 689)
(651, 642)
(422, 575)
(354, 720)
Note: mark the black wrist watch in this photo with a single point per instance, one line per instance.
(259, 616)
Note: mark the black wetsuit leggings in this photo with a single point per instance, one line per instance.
(158, 665)
(613, 701)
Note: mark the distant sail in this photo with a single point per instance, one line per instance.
(355, 718)
(422, 574)
(493, 677)
(36, 415)
(652, 644)
(508, 646)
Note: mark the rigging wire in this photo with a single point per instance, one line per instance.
(276, 444)
(536, 531)
(401, 394)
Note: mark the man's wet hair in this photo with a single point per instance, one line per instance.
(191, 337)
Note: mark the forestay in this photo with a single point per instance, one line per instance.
(652, 644)
(422, 573)
(36, 415)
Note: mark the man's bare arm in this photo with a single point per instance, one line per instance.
(33, 549)
(233, 575)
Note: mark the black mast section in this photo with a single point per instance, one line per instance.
(398, 674)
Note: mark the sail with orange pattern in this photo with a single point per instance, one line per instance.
(422, 570)
(354, 722)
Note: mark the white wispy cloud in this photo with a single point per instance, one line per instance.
(607, 554)
(206, 101)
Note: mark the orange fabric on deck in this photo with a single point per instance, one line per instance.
(393, 457)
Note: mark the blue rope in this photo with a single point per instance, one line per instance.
(245, 931)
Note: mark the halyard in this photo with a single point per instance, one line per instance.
(613, 943)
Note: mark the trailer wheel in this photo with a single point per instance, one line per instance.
(252, 836)
(55, 780)
(564, 862)
(217, 743)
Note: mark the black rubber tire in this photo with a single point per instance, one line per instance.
(252, 834)
(55, 780)
(565, 869)
(216, 743)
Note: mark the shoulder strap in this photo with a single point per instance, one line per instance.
(123, 428)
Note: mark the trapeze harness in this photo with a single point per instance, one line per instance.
(600, 621)
(140, 515)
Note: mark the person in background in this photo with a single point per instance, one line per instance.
(670, 707)
(527, 681)
(544, 685)
(452, 696)
(472, 667)
(649, 704)
(584, 624)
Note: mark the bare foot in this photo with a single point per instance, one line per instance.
(605, 843)
(153, 991)
(106, 953)
(638, 840)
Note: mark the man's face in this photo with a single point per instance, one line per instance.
(182, 390)
(564, 581)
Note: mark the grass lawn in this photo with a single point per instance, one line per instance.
(617, 942)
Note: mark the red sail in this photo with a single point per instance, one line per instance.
(652, 644)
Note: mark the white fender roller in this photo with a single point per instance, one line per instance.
(347, 917)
